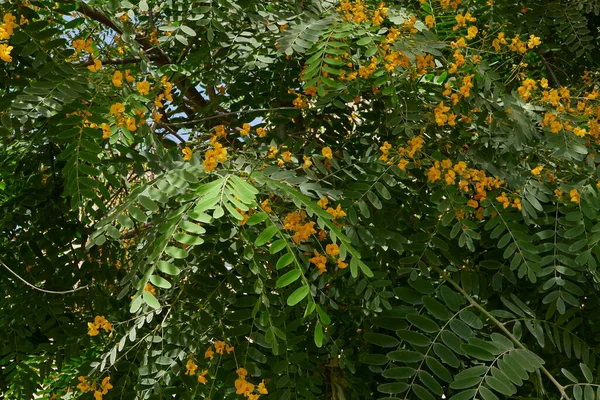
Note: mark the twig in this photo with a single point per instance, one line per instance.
(503, 328)
(38, 288)
(220, 115)
(116, 61)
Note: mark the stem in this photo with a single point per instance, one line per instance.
(500, 325)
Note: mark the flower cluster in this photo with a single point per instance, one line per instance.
(247, 389)
(217, 153)
(99, 323)
(99, 391)
(332, 251)
(6, 31)
(294, 222)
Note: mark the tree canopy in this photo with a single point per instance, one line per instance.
(240, 199)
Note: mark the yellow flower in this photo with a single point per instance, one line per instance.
(92, 329)
(130, 124)
(209, 353)
(574, 196)
(287, 156)
(471, 32)
(242, 372)
(97, 66)
(261, 132)
(229, 349)
(320, 261)
(326, 151)
(433, 174)
(143, 87)
(472, 203)
(307, 162)
(5, 52)
(84, 385)
(106, 385)
(265, 206)
(105, 130)
(202, 376)
(337, 212)
(262, 389)
(245, 129)
(187, 153)
(533, 41)
(332, 249)
(117, 109)
(191, 367)
(220, 347)
(341, 264)
(128, 76)
(323, 203)
(402, 164)
(272, 152)
(503, 199)
(430, 21)
(581, 132)
(117, 79)
(150, 288)
(537, 170)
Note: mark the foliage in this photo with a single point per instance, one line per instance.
(337, 200)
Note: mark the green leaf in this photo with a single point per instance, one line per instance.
(477, 352)
(150, 300)
(289, 278)
(413, 337)
(257, 218)
(406, 356)
(176, 252)
(266, 235)
(399, 372)
(423, 323)
(284, 261)
(167, 268)
(393, 388)
(298, 295)
(380, 339)
(318, 334)
(160, 282)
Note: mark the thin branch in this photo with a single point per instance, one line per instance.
(553, 77)
(116, 61)
(500, 325)
(221, 115)
(38, 288)
(162, 58)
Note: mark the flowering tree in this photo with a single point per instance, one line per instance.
(313, 199)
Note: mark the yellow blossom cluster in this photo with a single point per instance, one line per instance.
(294, 222)
(80, 44)
(6, 31)
(505, 201)
(442, 116)
(247, 389)
(217, 153)
(320, 260)
(99, 323)
(99, 391)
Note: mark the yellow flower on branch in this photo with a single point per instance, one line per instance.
(143, 87)
(187, 153)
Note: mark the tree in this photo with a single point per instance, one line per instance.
(334, 200)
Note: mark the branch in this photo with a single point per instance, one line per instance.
(115, 61)
(40, 289)
(221, 115)
(161, 57)
(500, 325)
